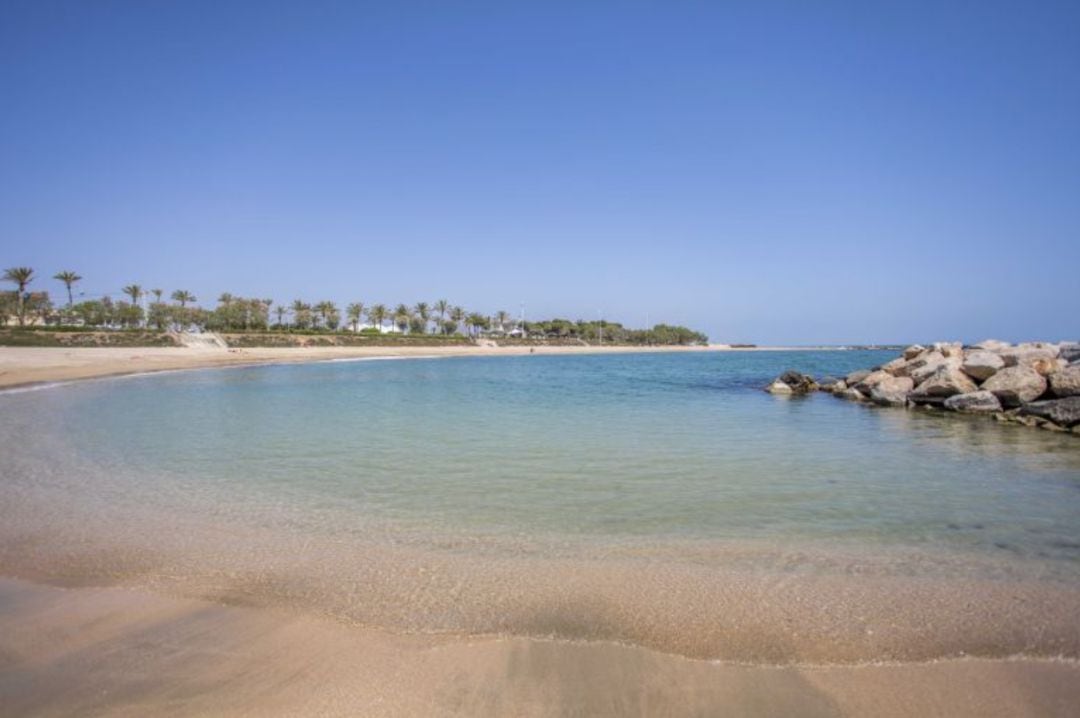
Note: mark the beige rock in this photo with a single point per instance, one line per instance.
(892, 391)
(1028, 354)
(925, 366)
(896, 367)
(1066, 382)
(913, 351)
(871, 380)
(975, 402)
(947, 381)
(779, 387)
(993, 345)
(1016, 385)
(981, 365)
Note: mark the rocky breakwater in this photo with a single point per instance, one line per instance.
(1036, 384)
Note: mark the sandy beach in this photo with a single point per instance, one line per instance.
(20, 366)
(117, 652)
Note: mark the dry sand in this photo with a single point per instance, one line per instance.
(31, 365)
(115, 651)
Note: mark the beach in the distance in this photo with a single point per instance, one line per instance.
(21, 366)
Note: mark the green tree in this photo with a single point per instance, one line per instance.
(68, 278)
(423, 314)
(281, 311)
(301, 314)
(328, 314)
(457, 315)
(183, 298)
(355, 311)
(20, 276)
(501, 317)
(402, 315)
(442, 307)
(134, 291)
(377, 315)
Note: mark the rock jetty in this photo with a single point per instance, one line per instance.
(1036, 384)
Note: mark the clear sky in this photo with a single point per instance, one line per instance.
(766, 172)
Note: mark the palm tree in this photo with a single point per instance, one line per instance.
(68, 278)
(442, 307)
(301, 314)
(501, 318)
(476, 321)
(325, 310)
(157, 295)
(457, 315)
(377, 315)
(355, 311)
(21, 276)
(183, 297)
(134, 291)
(281, 315)
(423, 311)
(401, 317)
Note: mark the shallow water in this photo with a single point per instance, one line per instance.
(661, 499)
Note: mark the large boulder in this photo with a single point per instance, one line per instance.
(947, 381)
(800, 383)
(992, 345)
(1016, 385)
(892, 391)
(831, 384)
(1066, 382)
(868, 382)
(922, 368)
(851, 394)
(1046, 367)
(949, 349)
(913, 351)
(779, 387)
(976, 402)
(1028, 354)
(792, 382)
(896, 367)
(856, 376)
(1063, 412)
(980, 365)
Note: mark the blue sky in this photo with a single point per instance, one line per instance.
(767, 172)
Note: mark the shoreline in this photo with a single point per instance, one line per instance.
(122, 651)
(28, 367)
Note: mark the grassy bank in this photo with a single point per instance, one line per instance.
(50, 337)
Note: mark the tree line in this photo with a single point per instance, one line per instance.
(179, 311)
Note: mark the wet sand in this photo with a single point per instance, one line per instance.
(115, 651)
(21, 366)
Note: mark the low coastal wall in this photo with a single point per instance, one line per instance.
(1036, 384)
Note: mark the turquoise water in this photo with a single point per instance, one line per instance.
(632, 446)
(662, 500)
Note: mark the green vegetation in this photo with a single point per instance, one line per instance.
(438, 322)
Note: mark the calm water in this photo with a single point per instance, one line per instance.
(656, 499)
(630, 445)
